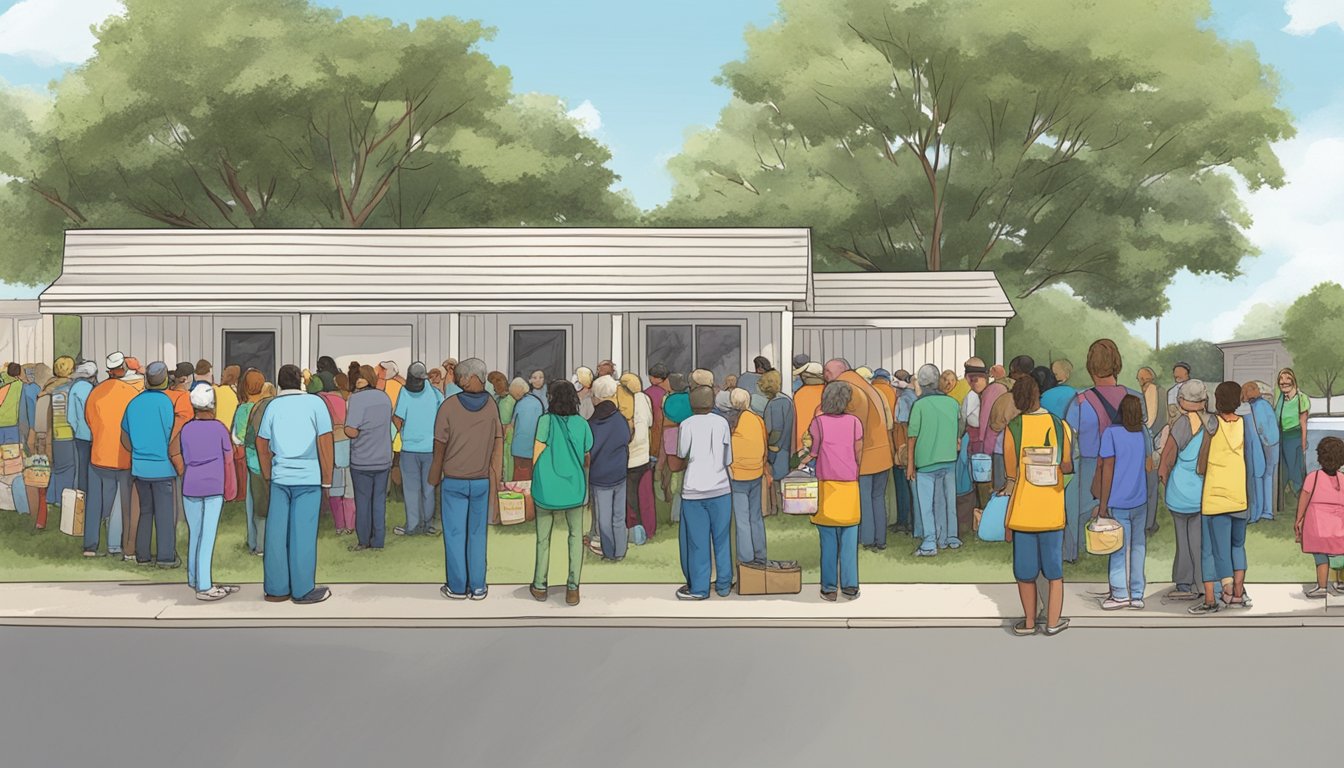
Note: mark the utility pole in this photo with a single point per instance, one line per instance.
(1157, 343)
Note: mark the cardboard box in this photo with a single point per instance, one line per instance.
(758, 580)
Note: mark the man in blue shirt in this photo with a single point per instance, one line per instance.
(146, 432)
(297, 454)
(1264, 449)
(417, 407)
(74, 412)
(526, 414)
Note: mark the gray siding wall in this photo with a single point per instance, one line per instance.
(179, 338)
(761, 333)
(489, 336)
(890, 348)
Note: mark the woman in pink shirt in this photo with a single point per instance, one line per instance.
(837, 445)
(1320, 516)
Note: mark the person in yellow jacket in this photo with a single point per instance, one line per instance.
(745, 473)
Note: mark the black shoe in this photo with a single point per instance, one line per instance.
(685, 594)
(356, 548)
(316, 596)
(177, 563)
(850, 593)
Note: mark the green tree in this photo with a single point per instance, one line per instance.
(1092, 145)
(278, 113)
(1262, 321)
(1204, 358)
(1312, 329)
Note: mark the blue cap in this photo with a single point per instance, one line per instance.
(882, 373)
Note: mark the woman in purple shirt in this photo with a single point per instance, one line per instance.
(202, 453)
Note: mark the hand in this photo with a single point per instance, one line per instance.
(910, 473)
(1297, 530)
(1101, 512)
(1008, 535)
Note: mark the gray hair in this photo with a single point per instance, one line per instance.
(835, 397)
(929, 376)
(472, 366)
(520, 386)
(740, 399)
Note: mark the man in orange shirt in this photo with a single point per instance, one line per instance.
(877, 461)
(109, 464)
(806, 400)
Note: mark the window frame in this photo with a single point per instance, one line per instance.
(567, 359)
(694, 323)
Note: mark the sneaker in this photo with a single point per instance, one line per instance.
(356, 548)
(954, 543)
(1111, 604)
(850, 593)
(400, 531)
(1022, 630)
(260, 553)
(277, 598)
(90, 553)
(1231, 602)
(211, 595)
(451, 595)
(430, 531)
(1060, 627)
(129, 559)
(1202, 609)
(685, 594)
(724, 592)
(828, 597)
(1317, 592)
(480, 594)
(318, 595)
(176, 563)
(1136, 605)
(1181, 594)
(926, 553)
(1339, 586)
(229, 589)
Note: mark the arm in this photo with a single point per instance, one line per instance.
(1107, 475)
(436, 463)
(326, 457)
(398, 422)
(1009, 464)
(264, 457)
(910, 462)
(175, 454)
(126, 441)
(1303, 501)
(1168, 460)
(1202, 466)
(1306, 414)
(858, 451)
(351, 432)
(538, 448)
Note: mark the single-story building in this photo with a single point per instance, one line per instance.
(26, 335)
(1255, 360)
(520, 299)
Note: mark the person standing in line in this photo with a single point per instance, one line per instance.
(635, 406)
(1293, 408)
(934, 426)
(1178, 470)
(836, 439)
(57, 440)
(779, 436)
(147, 429)
(705, 442)
(76, 402)
(109, 464)
(202, 454)
(11, 394)
(1035, 521)
(990, 439)
(526, 413)
(515, 390)
(583, 385)
(975, 418)
(559, 487)
(1319, 525)
(180, 381)
(657, 392)
(537, 380)
(676, 409)
(468, 460)
(1225, 465)
(900, 433)
(416, 409)
(1124, 497)
(297, 455)
(257, 495)
(341, 498)
(806, 399)
(608, 468)
(1266, 459)
(749, 440)
(604, 368)
(368, 417)
(1180, 373)
(878, 458)
(1056, 400)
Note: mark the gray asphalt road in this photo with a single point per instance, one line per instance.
(330, 697)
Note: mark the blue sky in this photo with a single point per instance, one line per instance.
(646, 73)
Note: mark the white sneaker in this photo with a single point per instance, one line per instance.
(1111, 604)
(213, 594)
(1136, 605)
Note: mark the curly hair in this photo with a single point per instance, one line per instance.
(1330, 455)
(564, 399)
(1027, 395)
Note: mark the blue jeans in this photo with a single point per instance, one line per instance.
(106, 486)
(905, 502)
(609, 511)
(937, 508)
(371, 505)
(705, 543)
(1127, 582)
(1078, 501)
(873, 510)
(156, 521)
(202, 513)
(1294, 463)
(748, 521)
(466, 507)
(839, 552)
(290, 563)
(1262, 496)
(1224, 545)
(419, 493)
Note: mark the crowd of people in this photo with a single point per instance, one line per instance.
(150, 446)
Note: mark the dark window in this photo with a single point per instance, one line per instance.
(718, 348)
(540, 349)
(669, 345)
(251, 349)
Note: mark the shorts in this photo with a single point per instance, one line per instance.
(1040, 553)
(1336, 562)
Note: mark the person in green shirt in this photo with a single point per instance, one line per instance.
(933, 434)
(560, 484)
(1292, 407)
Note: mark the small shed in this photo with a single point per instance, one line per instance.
(26, 335)
(1255, 360)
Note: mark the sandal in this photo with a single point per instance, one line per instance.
(1022, 630)
(1060, 627)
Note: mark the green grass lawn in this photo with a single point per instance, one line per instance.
(30, 555)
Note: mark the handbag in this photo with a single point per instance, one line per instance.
(1040, 465)
(993, 520)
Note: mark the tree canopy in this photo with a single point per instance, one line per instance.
(277, 113)
(1262, 321)
(1094, 145)
(1312, 328)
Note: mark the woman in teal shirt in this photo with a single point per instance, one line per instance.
(559, 483)
(1292, 407)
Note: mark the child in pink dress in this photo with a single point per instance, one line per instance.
(1320, 517)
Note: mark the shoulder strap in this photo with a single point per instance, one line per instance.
(1015, 429)
(1112, 414)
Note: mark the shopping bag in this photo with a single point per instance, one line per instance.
(37, 472)
(993, 520)
(799, 489)
(512, 508)
(523, 488)
(72, 512)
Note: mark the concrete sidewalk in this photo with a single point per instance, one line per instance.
(626, 605)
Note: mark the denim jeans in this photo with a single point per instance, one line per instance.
(106, 486)
(371, 504)
(937, 508)
(62, 469)
(1224, 543)
(1262, 496)
(290, 563)
(258, 500)
(839, 552)
(905, 502)
(873, 509)
(1078, 503)
(545, 525)
(419, 493)
(705, 543)
(609, 511)
(1126, 565)
(748, 521)
(83, 450)
(156, 521)
(1188, 567)
(466, 507)
(202, 524)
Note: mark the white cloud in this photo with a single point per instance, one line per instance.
(1307, 16)
(590, 120)
(52, 32)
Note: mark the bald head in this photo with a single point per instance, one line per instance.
(833, 368)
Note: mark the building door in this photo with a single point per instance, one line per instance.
(251, 349)
(540, 349)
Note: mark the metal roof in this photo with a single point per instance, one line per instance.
(907, 300)
(429, 270)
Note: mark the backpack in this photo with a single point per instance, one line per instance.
(1047, 464)
(254, 424)
(1111, 414)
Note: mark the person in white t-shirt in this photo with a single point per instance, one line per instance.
(705, 442)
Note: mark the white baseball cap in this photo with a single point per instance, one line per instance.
(116, 360)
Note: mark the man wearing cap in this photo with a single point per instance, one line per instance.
(297, 454)
(416, 408)
(147, 430)
(109, 464)
(975, 417)
(76, 400)
(799, 361)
